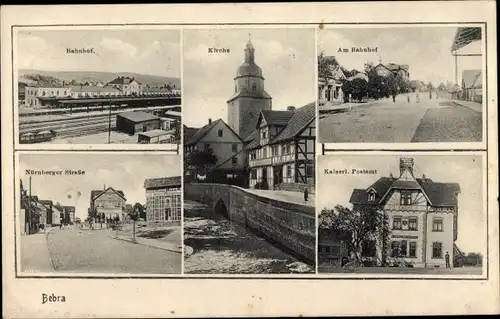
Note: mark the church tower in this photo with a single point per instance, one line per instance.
(249, 97)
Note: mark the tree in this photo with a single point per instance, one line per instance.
(402, 83)
(358, 89)
(136, 211)
(354, 226)
(325, 65)
(201, 159)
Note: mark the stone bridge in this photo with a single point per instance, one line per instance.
(290, 225)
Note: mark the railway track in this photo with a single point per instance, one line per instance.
(60, 126)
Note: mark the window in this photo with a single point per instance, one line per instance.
(395, 249)
(283, 149)
(254, 86)
(264, 152)
(405, 198)
(396, 223)
(403, 248)
(253, 174)
(288, 149)
(371, 196)
(437, 224)
(207, 147)
(310, 171)
(289, 170)
(264, 134)
(234, 147)
(219, 133)
(412, 223)
(234, 160)
(413, 249)
(437, 250)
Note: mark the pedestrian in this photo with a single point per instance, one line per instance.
(447, 259)
(306, 194)
(60, 226)
(408, 97)
(393, 98)
(418, 98)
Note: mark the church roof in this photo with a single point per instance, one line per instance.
(262, 95)
(249, 69)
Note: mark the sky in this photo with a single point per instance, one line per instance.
(425, 49)
(287, 58)
(152, 52)
(125, 172)
(463, 169)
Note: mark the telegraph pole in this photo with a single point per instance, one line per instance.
(29, 210)
(109, 126)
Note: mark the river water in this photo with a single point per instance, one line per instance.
(218, 246)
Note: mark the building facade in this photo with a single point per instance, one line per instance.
(163, 199)
(249, 97)
(109, 202)
(221, 140)
(330, 89)
(472, 85)
(281, 151)
(422, 216)
(126, 85)
(35, 96)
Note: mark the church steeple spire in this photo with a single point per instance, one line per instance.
(249, 51)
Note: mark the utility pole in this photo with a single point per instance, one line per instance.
(29, 210)
(109, 126)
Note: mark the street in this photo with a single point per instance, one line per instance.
(84, 251)
(430, 120)
(220, 246)
(395, 270)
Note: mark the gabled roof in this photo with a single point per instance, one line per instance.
(275, 118)
(469, 77)
(138, 116)
(205, 129)
(123, 80)
(301, 118)
(163, 182)
(188, 132)
(94, 194)
(439, 194)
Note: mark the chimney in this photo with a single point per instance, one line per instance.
(104, 187)
(391, 176)
(423, 177)
(291, 108)
(209, 121)
(405, 164)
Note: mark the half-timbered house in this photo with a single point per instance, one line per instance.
(281, 151)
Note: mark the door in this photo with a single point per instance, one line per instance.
(278, 174)
(264, 176)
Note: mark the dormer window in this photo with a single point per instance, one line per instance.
(254, 86)
(371, 196)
